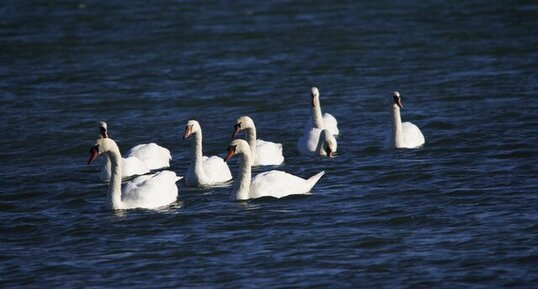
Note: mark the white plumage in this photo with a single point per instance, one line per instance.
(203, 170)
(147, 191)
(265, 153)
(276, 184)
(403, 135)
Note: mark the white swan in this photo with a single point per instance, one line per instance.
(317, 142)
(273, 183)
(131, 166)
(264, 153)
(203, 171)
(403, 135)
(148, 191)
(140, 159)
(317, 120)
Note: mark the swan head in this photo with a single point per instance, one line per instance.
(191, 128)
(237, 147)
(328, 142)
(103, 131)
(314, 93)
(397, 99)
(102, 145)
(242, 123)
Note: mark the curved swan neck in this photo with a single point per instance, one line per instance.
(251, 139)
(197, 154)
(397, 133)
(241, 186)
(114, 187)
(317, 118)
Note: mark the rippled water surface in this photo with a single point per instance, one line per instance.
(460, 212)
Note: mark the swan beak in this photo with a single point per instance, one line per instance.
(187, 133)
(103, 132)
(329, 152)
(231, 153)
(237, 129)
(313, 100)
(94, 153)
(399, 103)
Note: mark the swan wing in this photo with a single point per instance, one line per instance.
(151, 191)
(330, 123)
(152, 154)
(308, 143)
(216, 170)
(132, 166)
(413, 137)
(268, 153)
(280, 184)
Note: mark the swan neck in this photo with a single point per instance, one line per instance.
(241, 186)
(251, 139)
(197, 155)
(317, 118)
(114, 187)
(397, 133)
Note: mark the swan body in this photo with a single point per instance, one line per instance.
(317, 142)
(274, 183)
(153, 155)
(131, 167)
(403, 135)
(264, 153)
(148, 191)
(140, 160)
(319, 120)
(203, 171)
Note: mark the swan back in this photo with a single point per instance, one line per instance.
(153, 155)
(151, 191)
(279, 184)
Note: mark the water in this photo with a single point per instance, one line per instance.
(460, 212)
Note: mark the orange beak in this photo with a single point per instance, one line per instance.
(231, 153)
(187, 132)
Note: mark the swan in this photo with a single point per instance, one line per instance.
(141, 159)
(264, 153)
(131, 166)
(273, 183)
(317, 142)
(403, 135)
(203, 171)
(317, 120)
(148, 191)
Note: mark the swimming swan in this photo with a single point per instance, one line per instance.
(404, 135)
(273, 183)
(140, 159)
(264, 153)
(148, 191)
(203, 171)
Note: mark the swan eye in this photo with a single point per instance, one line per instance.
(238, 125)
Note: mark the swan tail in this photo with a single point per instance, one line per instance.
(314, 179)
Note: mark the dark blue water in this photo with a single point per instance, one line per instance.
(461, 212)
